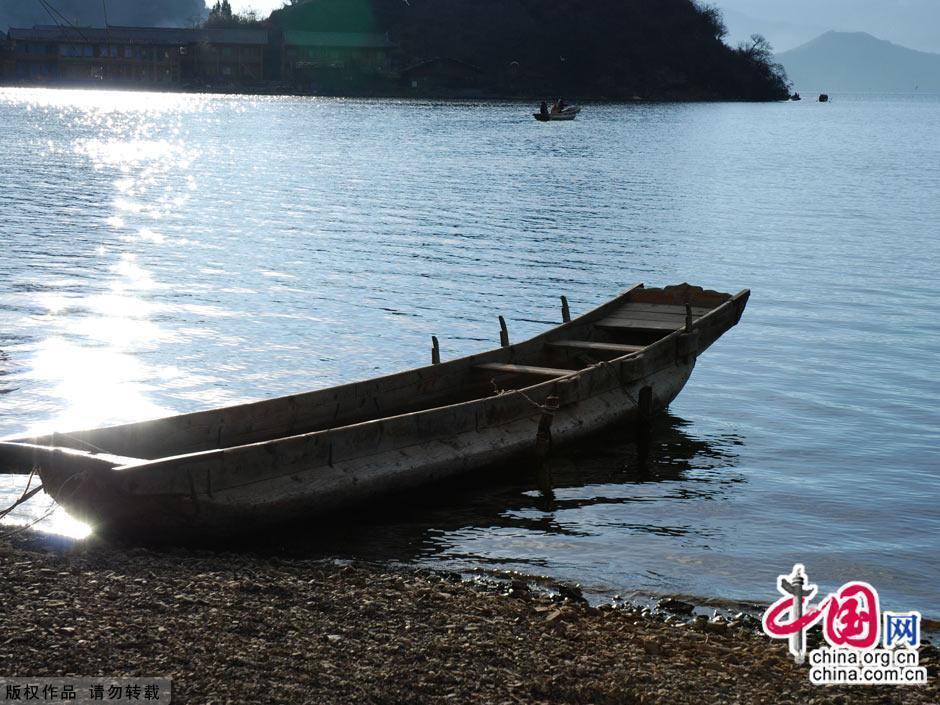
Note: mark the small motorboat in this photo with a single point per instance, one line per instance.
(569, 113)
(230, 470)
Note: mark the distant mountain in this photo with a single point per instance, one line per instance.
(783, 35)
(856, 62)
(912, 23)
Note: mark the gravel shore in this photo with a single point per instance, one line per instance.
(235, 628)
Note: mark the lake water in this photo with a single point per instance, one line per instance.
(164, 253)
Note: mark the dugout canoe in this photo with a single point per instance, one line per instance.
(242, 467)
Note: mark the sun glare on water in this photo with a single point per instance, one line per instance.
(98, 318)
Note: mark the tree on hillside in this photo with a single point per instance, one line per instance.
(715, 19)
(659, 49)
(220, 12)
(757, 48)
(759, 52)
(221, 15)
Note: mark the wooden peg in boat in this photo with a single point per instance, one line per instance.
(688, 318)
(435, 351)
(503, 332)
(543, 437)
(643, 424)
(565, 311)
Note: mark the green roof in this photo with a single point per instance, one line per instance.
(360, 40)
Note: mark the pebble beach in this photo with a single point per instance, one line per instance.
(239, 628)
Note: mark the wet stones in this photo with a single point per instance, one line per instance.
(670, 604)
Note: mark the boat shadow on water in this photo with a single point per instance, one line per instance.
(532, 497)
(601, 488)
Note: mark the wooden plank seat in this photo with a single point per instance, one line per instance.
(668, 309)
(651, 316)
(633, 324)
(591, 346)
(509, 369)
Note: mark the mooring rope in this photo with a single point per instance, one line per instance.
(30, 524)
(27, 495)
(541, 407)
(623, 388)
(24, 498)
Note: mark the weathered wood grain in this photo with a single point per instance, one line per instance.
(509, 369)
(593, 346)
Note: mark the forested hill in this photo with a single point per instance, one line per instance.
(605, 49)
(615, 49)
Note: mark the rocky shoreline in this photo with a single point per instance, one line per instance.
(239, 628)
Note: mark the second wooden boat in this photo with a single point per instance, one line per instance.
(237, 468)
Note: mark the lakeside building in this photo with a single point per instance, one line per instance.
(334, 57)
(442, 74)
(231, 55)
(138, 55)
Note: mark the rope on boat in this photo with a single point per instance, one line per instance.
(27, 495)
(30, 524)
(24, 498)
(545, 409)
(636, 402)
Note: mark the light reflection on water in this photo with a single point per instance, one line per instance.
(163, 253)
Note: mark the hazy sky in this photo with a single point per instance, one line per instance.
(787, 23)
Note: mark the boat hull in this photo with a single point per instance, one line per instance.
(312, 489)
(208, 490)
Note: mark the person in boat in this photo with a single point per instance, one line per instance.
(561, 105)
(543, 109)
(555, 109)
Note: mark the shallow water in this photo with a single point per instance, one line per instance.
(165, 253)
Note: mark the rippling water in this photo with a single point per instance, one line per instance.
(165, 253)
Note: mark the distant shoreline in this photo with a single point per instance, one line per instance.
(809, 95)
(392, 95)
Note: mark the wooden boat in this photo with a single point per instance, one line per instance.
(569, 113)
(237, 468)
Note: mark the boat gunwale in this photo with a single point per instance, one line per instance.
(179, 461)
(467, 360)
